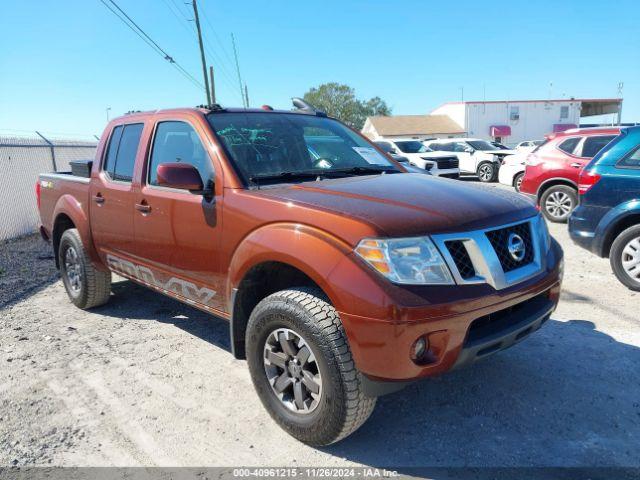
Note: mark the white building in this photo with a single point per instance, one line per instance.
(513, 121)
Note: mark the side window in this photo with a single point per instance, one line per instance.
(592, 145)
(631, 161)
(112, 151)
(178, 142)
(445, 147)
(514, 114)
(459, 147)
(127, 150)
(569, 145)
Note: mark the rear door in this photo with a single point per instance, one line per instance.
(111, 193)
(585, 150)
(177, 232)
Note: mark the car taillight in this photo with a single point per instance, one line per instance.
(587, 180)
(38, 194)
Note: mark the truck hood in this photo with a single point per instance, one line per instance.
(409, 204)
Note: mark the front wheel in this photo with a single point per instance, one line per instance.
(302, 368)
(558, 202)
(625, 257)
(487, 172)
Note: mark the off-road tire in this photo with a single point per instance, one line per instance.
(517, 181)
(487, 172)
(94, 286)
(342, 407)
(562, 192)
(616, 255)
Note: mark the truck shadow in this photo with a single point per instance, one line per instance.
(135, 301)
(567, 396)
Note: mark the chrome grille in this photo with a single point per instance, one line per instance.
(500, 241)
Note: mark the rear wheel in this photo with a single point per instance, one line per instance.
(558, 202)
(625, 257)
(487, 172)
(302, 369)
(86, 286)
(517, 181)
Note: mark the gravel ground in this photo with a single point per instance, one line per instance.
(145, 380)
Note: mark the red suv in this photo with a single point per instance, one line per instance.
(551, 175)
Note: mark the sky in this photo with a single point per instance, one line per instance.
(63, 63)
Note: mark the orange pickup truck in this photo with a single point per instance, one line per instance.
(342, 276)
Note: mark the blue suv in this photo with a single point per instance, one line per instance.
(607, 222)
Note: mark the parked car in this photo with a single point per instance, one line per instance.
(436, 163)
(552, 169)
(529, 145)
(404, 161)
(476, 156)
(607, 221)
(342, 279)
(512, 169)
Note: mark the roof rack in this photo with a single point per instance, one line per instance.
(214, 107)
(303, 106)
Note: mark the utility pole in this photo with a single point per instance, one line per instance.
(213, 85)
(620, 87)
(246, 95)
(235, 54)
(204, 62)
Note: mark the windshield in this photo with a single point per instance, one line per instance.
(412, 146)
(269, 144)
(481, 145)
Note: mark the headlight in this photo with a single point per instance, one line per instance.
(413, 261)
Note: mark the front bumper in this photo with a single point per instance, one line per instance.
(473, 322)
(446, 173)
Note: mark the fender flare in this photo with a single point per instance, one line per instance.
(69, 206)
(312, 251)
(610, 222)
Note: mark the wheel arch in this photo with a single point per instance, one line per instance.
(277, 257)
(615, 226)
(552, 182)
(68, 213)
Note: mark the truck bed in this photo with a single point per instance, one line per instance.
(54, 186)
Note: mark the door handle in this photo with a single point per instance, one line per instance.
(576, 165)
(143, 207)
(98, 198)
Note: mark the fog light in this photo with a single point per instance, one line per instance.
(419, 348)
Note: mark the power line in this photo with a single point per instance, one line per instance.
(149, 41)
(185, 23)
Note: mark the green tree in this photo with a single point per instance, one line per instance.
(340, 101)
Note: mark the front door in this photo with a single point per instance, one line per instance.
(111, 194)
(178, 232)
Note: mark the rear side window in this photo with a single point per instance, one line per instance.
(112, 151)
(631, 161)
(121, 153)
(569, 145)
(592, 145)
(178, 142)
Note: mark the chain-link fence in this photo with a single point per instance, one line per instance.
(21, 160)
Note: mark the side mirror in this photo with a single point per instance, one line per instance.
(183, 176)
(469, 150)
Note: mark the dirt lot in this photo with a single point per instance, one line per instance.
(145, 380)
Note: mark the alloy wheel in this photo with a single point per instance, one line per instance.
(73, 269)
(631, 259)
(485, 172)
(292, 371)
(558, 204)
(519, 183)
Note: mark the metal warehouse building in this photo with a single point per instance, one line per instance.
(512, 121)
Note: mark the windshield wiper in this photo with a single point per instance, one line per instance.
(301, 174)
(361, 170)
